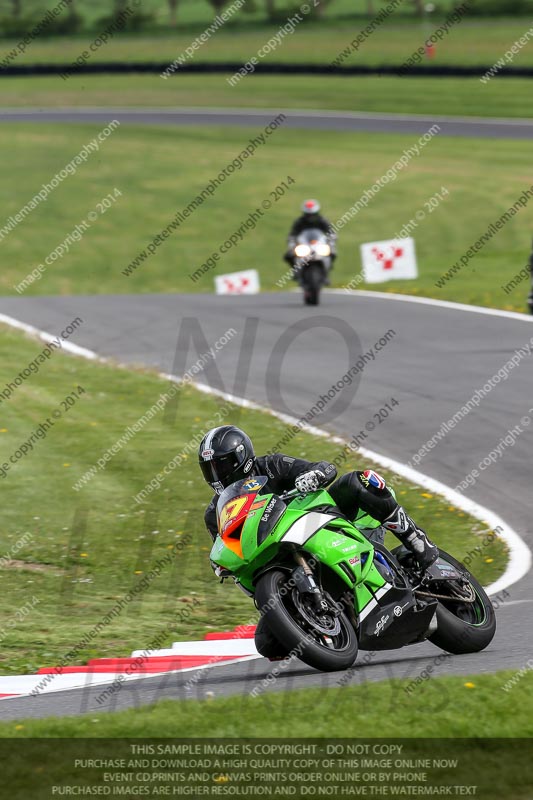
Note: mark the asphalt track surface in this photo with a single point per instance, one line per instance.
(432, 365)
(307, 120)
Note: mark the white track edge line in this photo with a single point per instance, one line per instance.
(82, 352)
(431, 301)
(519, 554)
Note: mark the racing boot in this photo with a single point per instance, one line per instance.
(412, 537)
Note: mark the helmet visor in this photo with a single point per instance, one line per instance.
(222, 468)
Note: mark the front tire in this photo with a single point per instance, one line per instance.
(295, 633)
(266, 643)
(464, 628)
(313, 279)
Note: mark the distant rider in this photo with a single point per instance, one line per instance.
(310, 218)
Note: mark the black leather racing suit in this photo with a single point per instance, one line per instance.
(351, 492)
(304, 223)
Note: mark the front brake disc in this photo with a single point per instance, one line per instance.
(325, 623)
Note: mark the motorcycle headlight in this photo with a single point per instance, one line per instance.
(322, 249)
(302, 250)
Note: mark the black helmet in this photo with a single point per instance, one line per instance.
(226, 454)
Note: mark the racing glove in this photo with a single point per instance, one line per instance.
(310, 481)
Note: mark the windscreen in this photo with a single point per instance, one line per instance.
(235, 502)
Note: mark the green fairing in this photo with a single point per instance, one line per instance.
(265, 538)
(333, 546)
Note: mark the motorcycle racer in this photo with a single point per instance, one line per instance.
(226, 454)
(310, 218)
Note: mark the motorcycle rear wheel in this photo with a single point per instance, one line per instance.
(464, 627)
(295, 633)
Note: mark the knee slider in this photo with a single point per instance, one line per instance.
(374, 496)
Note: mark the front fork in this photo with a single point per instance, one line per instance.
(305, 582)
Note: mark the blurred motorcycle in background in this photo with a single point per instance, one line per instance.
(311, 261)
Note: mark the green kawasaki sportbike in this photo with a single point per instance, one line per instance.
(325, 588)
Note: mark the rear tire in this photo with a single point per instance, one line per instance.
(463, 628)
(293, 637)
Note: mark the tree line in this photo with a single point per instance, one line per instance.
(272, 8)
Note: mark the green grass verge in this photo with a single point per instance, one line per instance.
(457, 710)
(450, 707)
(78, 553)
(477, 42)
(504, 97)
(159, 170)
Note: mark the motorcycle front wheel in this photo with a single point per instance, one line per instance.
(312, 283)
(327, 642)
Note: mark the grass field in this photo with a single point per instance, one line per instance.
(472, 42)
(445, 96)
(78, 553)
(446, 720)
(159, 170)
